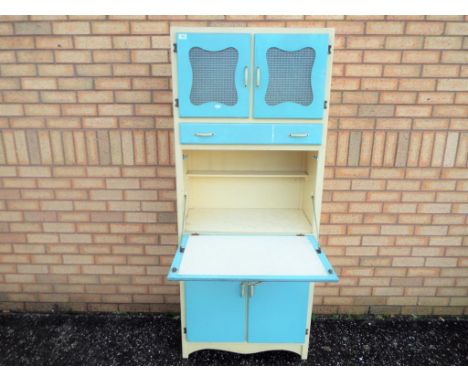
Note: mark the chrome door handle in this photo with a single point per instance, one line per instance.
(251, 290)
(242, 289)
(299, 135)
(204, 135)
(246, 76)
(257, 77)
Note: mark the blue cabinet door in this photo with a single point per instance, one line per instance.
(215, 311)
(290, 74)
(277, 312)
(213, 74)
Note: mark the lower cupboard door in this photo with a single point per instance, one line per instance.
(215, 311)
(277, 312)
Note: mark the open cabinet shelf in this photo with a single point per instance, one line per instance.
(247, 220)
(249, 174)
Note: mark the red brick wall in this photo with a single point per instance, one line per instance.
(87, 187)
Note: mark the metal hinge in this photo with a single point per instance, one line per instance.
(174, 48)
(182, 250)
(329, 49)
(307, 332)
(185, 330)
(325, 104)
(318, 250)
(176, 102)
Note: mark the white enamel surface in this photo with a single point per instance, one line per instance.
(235, 255)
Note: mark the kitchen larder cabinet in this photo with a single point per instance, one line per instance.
(250, 125)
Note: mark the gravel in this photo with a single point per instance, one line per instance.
(154, 339)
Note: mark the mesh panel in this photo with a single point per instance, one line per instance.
(213, 76)
(289, 76)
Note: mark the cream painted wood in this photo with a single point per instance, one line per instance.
(249, 220)
(247, 174)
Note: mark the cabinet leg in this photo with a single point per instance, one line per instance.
(304, 352)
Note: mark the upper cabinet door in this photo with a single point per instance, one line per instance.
(213, 74)
(290, 75)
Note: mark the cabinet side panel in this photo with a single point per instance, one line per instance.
(215, 311)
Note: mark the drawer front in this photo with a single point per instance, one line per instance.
(250, 134)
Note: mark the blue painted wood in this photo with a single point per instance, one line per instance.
(250, 134)
(173, 274)
(291, 42)
(277, 312)
(212, 42)
(215, 311)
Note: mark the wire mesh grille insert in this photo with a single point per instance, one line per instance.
(213, 76)
(289, 76)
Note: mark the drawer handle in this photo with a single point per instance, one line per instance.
(258, 77)
(246, 76)
(299, 135)
(204, 135)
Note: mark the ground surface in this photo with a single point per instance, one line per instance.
(144, 339)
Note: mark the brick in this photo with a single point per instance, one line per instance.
(18, 70)
(149, 56)
(361, 70)
(70, 56)
(32, 28)
(379, 84)
(452, 84)
(39, 83)
(110, 27)
(365, 42)
(106, 56)
(455, 57)
(93, 42)
(132, 42)
(131, 69)
(94, 70)
(17, 43)
(149, 27)
(50, 42)
(35, 56)
(402, 70)
(404, 42)
(425, 28)
(442, 42)
(71, 27)
(386, 28)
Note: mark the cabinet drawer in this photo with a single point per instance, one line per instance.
(250, 134)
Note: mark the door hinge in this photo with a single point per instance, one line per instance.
(307, 332)
(182, 250)
(185, 330)
(325, 104)
(174, 48)
(329, 49)
(176, 102)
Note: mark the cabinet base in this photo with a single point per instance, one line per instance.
(243, 347)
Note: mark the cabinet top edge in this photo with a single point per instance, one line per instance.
(251, 30)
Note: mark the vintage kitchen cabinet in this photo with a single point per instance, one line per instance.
(250, 124)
